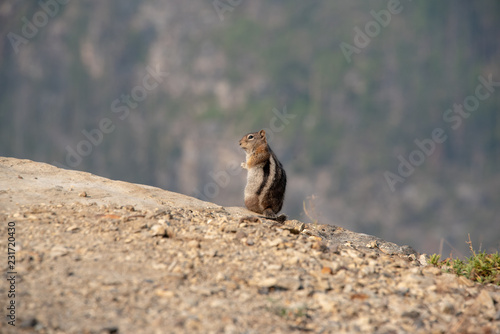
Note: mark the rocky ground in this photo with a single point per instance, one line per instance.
(94, 255)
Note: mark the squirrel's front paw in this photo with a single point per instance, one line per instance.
(244, 165)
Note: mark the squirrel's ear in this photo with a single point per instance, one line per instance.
(262, 133)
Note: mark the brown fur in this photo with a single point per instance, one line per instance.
(252, 203)
(266, 181)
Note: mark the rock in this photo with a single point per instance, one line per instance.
(29, 323)
(264, 282)
(193, 244)
(326, 271)
(274, 267)
(447, 307)
(240, 234)
(411, 314)
(277, 242)
(73, 228)
(483, 305)
(111, 329)
(164, 293)
(143, 260)
(325, 301)
(158, 230)
(294, 226)
(422, 260)
(289, 283)
(58, 251)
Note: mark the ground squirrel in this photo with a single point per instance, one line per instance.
(266, 179)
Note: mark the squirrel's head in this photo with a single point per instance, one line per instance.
(252, 140)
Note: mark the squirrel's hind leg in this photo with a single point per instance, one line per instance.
(269, 213)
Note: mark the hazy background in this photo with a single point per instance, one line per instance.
(84, 69)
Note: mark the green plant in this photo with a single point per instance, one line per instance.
(434, 259)
(480, 267)
(286, 312)
(290, 313)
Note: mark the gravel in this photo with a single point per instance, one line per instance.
(152, 261)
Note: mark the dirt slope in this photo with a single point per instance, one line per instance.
(94, 255)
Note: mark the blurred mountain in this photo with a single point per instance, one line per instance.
(384, 113)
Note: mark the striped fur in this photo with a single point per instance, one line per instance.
(266, 179)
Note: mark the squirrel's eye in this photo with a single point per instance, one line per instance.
(250, 137)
